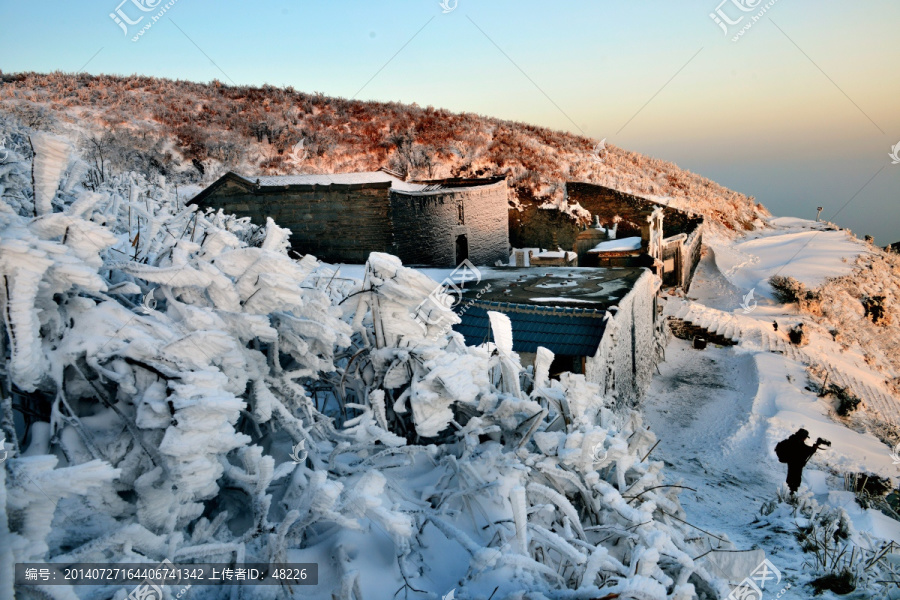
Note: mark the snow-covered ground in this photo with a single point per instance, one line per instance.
(805, 250)
(719, 412)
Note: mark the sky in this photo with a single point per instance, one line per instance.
(799, 111)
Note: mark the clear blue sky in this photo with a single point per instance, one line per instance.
(801, 111)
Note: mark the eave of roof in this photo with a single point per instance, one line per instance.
(345, 181)
(563, 331)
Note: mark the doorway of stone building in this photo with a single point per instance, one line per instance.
(462, 248)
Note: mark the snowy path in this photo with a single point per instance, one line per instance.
(699, 407)
(719, 412)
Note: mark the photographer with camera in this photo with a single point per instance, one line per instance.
(796, 454)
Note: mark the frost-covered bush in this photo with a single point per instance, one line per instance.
(785, 290)
(840, 559)
(175, 386)
(846, 402)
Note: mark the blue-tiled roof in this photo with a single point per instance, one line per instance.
(568, 331)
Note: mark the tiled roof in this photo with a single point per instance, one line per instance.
(589, 288)
(567, 331)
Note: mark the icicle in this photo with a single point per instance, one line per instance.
(51, 153)
(542, 361)
(510, 367)
(520, 517)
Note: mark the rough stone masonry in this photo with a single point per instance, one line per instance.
(343, 217)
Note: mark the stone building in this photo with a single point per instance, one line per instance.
(549, 258)
(598, 246)
(664, 238)
(602, 323)
(343, 217)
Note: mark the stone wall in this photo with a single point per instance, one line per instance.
(607, 203)
(692, 251)
(534, 227)
(487, 217)
(335, 223)
(427, 225)
(624, 363)
(345, 222)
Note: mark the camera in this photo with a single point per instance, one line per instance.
(823, 442)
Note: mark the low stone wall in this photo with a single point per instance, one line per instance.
(692, 251)
(626, 358)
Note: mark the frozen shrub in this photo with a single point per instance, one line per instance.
(202, 397)
(838, 559)
(845, 400)
(841, 582)
(786, 290)
(868, 488)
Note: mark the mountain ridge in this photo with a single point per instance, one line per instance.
(193, 133)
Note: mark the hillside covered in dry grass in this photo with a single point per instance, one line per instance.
(193, 133)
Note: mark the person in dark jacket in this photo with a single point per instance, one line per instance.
(798, 455)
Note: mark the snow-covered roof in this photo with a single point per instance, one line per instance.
(367, 178)
(380, 178)
(556, 254)
(361, 178)
(553, 286)
(623, 245)
(560, 308)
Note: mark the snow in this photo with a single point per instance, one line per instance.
(210, 399)
(326, 178)
(525, 251)
(719, 412)
(51, 156)
(572, 300)
(357, 178)
(805, 250)
(540, 253)
(622, 245)
(562, 204)
(557, 254)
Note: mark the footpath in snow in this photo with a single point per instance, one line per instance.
(720, 411)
